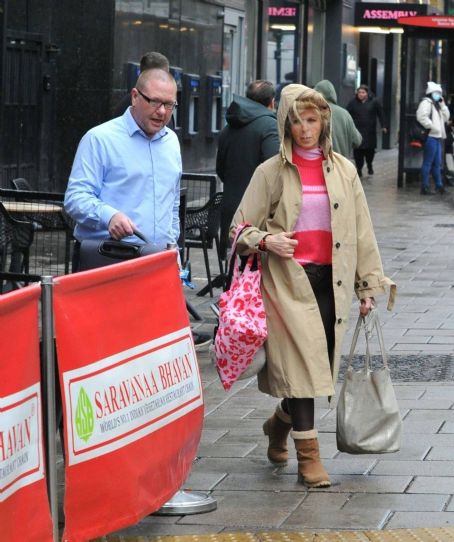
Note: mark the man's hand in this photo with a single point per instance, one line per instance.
(120, 226)
(366, 304)
(385, 130)
(281, 244)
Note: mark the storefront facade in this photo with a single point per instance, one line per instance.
(56, 84)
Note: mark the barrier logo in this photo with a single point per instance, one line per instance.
(21, 454)
(120, 399)
(84, 419)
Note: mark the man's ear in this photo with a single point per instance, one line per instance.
(272, 105)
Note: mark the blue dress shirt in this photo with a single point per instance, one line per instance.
(118, 167)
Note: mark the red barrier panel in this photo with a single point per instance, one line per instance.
(24, 506)
(132, 394)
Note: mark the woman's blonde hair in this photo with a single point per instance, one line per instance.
(317, 103)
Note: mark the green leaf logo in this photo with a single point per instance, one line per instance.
(85, 419)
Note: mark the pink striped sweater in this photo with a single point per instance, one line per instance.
(313, 227)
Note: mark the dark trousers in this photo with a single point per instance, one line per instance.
(320, 277)
(360, 155)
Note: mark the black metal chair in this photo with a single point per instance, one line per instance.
(45, 211)
(16, 238)
(201, 229)
(21, 184)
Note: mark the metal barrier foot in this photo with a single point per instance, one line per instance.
(184, 503)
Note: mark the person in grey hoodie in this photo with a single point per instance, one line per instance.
(344, 133)
(249, 138)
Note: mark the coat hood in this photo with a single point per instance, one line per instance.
(326, 88)
(289, 94)
(243, 111)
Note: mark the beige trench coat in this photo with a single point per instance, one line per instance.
(297, 356)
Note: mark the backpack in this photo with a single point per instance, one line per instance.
(417, 133)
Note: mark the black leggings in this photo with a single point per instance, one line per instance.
(320, 276)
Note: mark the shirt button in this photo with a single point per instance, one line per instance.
(336, 205)
(337, 245)
(365, 283)
(339, 320)
(339, 283)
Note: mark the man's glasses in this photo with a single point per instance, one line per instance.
(156, 104)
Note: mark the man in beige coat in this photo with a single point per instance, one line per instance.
(298, 363)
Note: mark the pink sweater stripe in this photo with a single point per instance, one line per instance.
(313, 226)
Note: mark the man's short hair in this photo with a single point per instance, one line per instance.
(152, 60)
(153, 74)
(261, 91)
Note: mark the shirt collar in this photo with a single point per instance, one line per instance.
(133, 127)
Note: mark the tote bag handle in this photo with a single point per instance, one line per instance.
(369, 324)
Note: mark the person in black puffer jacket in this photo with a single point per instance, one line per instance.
(249, 138)
(365, 109)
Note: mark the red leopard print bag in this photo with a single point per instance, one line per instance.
(242, 320)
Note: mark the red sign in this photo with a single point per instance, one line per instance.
(132, 394)
(429, 21)
(24, 505)
(281, 12)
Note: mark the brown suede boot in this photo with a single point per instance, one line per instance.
(277, 429)
(310, 469)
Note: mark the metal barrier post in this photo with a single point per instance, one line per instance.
(49, 387)
(184, 503)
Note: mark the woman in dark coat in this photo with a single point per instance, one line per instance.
(365, 109)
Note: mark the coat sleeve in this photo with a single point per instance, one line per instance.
(357, 138)
(220, 157)
(270, 141)
(370, 279)
(380, 113)
(444, 112)
(423, 114)
(254, 209)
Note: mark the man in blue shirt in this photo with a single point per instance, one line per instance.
(126, 173)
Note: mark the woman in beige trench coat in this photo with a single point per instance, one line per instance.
(310, 222)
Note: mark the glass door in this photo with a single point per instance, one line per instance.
(234, 55)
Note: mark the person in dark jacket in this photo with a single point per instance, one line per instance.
(344, 134)
(365, 109)
(249, 138)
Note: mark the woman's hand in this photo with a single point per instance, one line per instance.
(366, 304)
(281, 244)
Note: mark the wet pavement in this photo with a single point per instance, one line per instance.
(372, 495)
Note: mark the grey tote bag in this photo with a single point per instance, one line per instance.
(368, 417)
